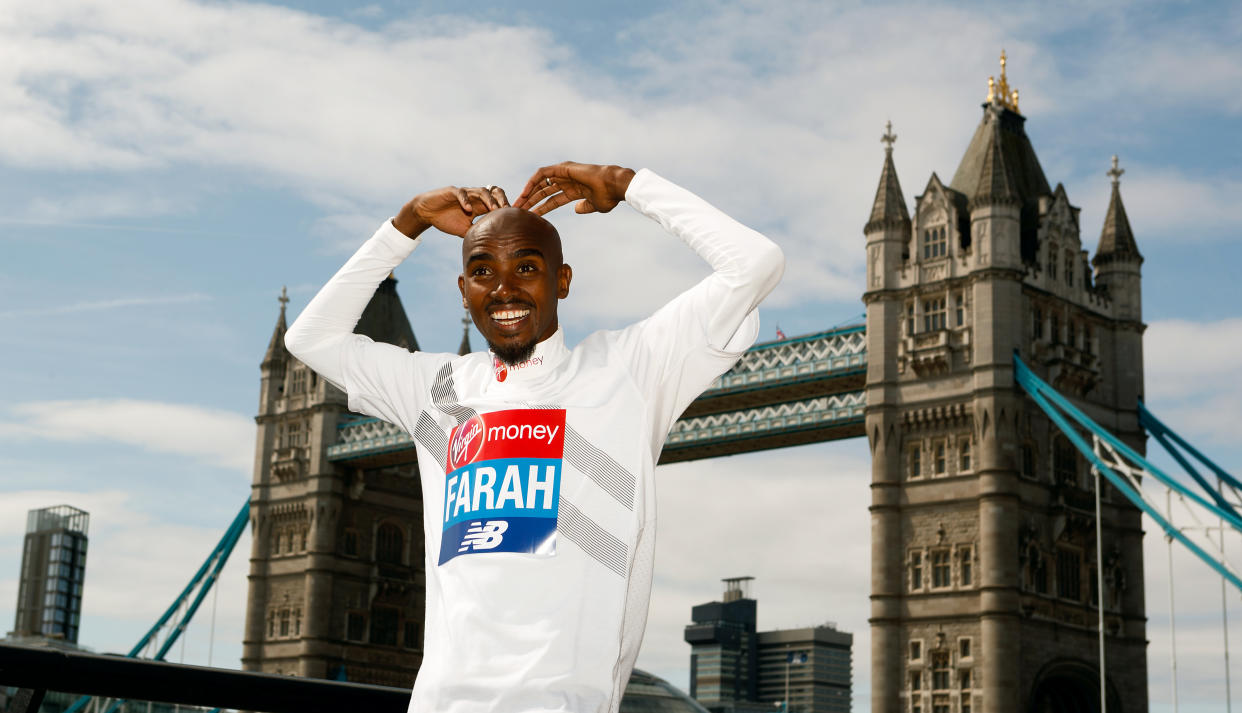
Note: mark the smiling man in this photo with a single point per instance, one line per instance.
(537, 461)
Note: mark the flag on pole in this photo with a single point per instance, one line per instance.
(779, 333)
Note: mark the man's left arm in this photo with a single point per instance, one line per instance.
(677, 352)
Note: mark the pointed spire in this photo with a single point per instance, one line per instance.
(889, 208)
(384, 318)
(1116, 239)
(276, 346)
(465, 349)
(996, 182)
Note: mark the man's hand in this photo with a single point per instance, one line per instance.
(450, 209)
(597, 188)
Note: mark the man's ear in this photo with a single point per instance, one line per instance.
(564, 276)
(461, 287)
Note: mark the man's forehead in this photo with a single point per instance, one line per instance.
(508, 231)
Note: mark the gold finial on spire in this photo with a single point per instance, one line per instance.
(284, 297)
(889, 137)
(999, 91)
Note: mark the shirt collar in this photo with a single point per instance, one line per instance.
(547, 356)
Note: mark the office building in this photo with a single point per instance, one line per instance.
(49, 593)
(734, 668)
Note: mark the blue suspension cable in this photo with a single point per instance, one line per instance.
(1045, 396)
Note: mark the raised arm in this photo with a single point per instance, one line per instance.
(677, 352)
(322, 335)
(746, 265)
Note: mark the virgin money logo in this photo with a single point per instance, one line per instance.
(467, 442)
(501, 371)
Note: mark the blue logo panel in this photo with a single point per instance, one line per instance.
(529, 535)
(501, 505)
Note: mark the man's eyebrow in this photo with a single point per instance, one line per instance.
(525, 252)
(480, 256)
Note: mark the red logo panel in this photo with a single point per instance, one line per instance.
(516, 433)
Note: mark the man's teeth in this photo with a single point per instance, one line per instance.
(510, 316)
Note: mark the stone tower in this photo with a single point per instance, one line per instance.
(983, 528)
(336, 565)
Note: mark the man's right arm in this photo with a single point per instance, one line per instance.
(322, 336)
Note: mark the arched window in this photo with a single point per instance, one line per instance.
(388, 544)
(935, 243)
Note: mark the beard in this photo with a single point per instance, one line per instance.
(514, 354)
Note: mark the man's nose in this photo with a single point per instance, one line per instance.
(505, 287)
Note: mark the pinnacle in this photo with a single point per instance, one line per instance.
(890, 203)
(1116, 239)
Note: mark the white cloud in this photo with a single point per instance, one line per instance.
(760, 108)
(213, 436)
(1194, 377)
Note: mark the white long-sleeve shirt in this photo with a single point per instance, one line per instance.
(537, 479)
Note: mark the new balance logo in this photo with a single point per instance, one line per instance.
(483, 535)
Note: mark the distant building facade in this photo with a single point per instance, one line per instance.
(734, 668)
(49, 592)
(810, 668)
(983, 596)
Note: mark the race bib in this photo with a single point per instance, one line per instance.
(502, 488)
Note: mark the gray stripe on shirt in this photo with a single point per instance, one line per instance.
(593, 539)
(599, 467)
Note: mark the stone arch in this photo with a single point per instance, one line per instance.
(1070, 686)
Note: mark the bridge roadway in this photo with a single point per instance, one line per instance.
(787, 392)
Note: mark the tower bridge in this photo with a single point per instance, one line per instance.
(984, 559)
(787, 392)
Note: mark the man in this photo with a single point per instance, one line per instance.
(536, 460)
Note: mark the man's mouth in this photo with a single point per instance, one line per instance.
(509, 317)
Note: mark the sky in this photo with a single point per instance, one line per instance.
(166, 166)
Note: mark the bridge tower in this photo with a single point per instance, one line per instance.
(984, 594)
(336, 565)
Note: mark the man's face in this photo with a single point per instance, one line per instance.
(512, 276)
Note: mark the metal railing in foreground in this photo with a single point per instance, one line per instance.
(35, 670)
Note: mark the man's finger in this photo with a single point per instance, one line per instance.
(463, 199)
(499, 194)
(585, 206)
(484, 195)
(545, 190)
(542, 175)
(551, 204)
(537, 181)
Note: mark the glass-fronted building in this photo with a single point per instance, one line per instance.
(734, 668)
(49, 594)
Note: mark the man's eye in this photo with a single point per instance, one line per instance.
(480, 271)
(527, 267)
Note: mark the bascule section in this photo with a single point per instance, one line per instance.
(984, 552)
(336, 583)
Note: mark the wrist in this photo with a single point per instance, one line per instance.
(620, 179)
(408, 223)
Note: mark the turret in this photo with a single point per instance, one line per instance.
(275, 361)
(1117, 260)
(888, 229)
